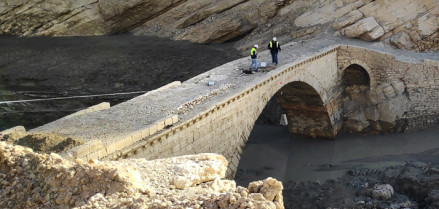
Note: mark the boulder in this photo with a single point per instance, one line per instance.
(355, 126)
(376, 33)
(402, 41)
(389, 91)
(199, 168)
(392, 14)
(428, 24)
(328, 12)
(382, 192)
(360, 27)
(270, 188)
(371, 113)
(398, 86)
(348, 19)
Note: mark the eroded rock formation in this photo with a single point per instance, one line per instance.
(378, 111)
(403, 23)
(29, 179)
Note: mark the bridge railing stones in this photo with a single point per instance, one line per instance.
(13, 130)
(94, 108)
(96, 149)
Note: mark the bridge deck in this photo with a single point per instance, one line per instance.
(186, 100)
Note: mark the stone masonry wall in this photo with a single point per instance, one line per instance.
(399, 90)
(225, 128)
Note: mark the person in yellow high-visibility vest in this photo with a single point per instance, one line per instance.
(253, 56)
(274, 50)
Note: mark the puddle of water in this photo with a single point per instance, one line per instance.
(271, 151)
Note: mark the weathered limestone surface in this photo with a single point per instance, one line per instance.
(209, 21)
(401, 40)
(380, 20)
(348, 19)
(31, 180)
(218, 21)
(69, 18)
(361, 27)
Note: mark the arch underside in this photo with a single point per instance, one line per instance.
(307, 116)
(356, 84)
(356, 74)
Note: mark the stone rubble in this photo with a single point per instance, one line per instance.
(185, 108)
(32, 180)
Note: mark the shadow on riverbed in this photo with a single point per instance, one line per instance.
(34, 68)
(271, 151)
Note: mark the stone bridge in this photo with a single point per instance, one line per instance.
(311, 88)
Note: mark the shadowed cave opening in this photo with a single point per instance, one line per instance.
(307, 116)
(355, 75)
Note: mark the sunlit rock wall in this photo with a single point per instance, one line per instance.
(403, 23)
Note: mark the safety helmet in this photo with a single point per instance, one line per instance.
(274, 39)
(256, 46)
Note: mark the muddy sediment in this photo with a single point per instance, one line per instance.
(38, 68)
(342, 173)
(414, 186)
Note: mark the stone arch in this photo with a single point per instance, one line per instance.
(305, 109)
(356, 84)
(364, 66)
(355, 74)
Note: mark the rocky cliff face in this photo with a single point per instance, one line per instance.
(405, 24)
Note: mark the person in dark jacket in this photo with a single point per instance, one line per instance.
(274, 50)
(254, 55)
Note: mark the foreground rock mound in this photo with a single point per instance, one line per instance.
(32, 180)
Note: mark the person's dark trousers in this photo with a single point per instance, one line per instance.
(274, 57)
